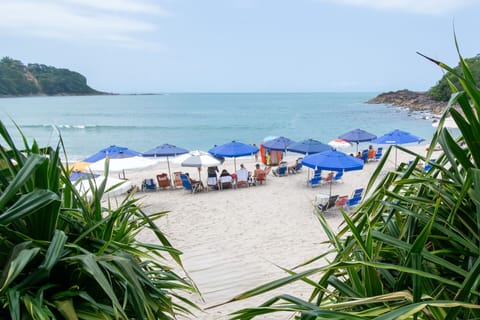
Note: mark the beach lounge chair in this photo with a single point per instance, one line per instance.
(149, 185)
(365, 155)
(356, 197)
(212, 183)
(378, 155)
(188, 185)
(428, 166)
(281, 170)
(329, 204)
(341, 201)
(163, 181)
(316, 179)
(177, 180)
(242, 178)
(226, 182)
(338, 177)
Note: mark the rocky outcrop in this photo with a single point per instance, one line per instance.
(415, 101)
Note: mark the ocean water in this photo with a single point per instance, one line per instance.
(200, 120)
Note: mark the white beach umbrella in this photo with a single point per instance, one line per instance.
(122, 164)
(339, 144)
(197, 159)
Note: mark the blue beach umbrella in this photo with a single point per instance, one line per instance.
(334, 161)
(397, 137)
(308, 146)
(357, 136)
(77, 175)
(113, 152)
(233, 150)
(280, 144)
(165, 150)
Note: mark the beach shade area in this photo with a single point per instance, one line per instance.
(309, 146)
(334, 161)
(233, 150)
(165, 150)
(197, 159)
(113, 186)
(121, 165)
(112, 152)
(397, 137)
(278, 144)
(357, 136)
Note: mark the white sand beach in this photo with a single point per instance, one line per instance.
(234, 240)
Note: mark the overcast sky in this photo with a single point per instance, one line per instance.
(129, 46)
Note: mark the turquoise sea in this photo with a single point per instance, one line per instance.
(200, 120)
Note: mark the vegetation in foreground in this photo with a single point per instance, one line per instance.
(65, 256)
(412, 249)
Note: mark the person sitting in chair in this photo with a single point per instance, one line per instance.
(193, 181)
(371, 153)
(242, 176)
(259, 174)
(225, 179)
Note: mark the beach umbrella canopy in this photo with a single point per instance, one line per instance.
(198, 159)
(397, 137)
(233, 150)
(279, 143)
(308, 146)
(339, 144)
(165, 150)
(332, 160)
(112, 152)
(357, 136)
(122, 164)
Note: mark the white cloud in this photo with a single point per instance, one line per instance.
(122, 23)
(430, 7)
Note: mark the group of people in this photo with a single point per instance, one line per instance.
(371, 153)
(225, 179)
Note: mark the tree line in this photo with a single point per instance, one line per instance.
(17, 79)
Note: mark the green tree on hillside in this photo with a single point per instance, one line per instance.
(13, 80)
(16, 79)
(442, 91)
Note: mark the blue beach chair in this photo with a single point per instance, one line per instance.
(378, 155)
(356, 198)
(188, 185)
(316, 180)
(149, 185)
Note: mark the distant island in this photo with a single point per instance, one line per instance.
(434, 100)
(33, 79)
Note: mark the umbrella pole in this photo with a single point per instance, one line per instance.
(169, 173)
(235, 164)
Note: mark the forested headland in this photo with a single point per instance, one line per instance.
(33, 79)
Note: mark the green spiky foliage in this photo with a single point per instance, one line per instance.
(411, 250)
(63, 256)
